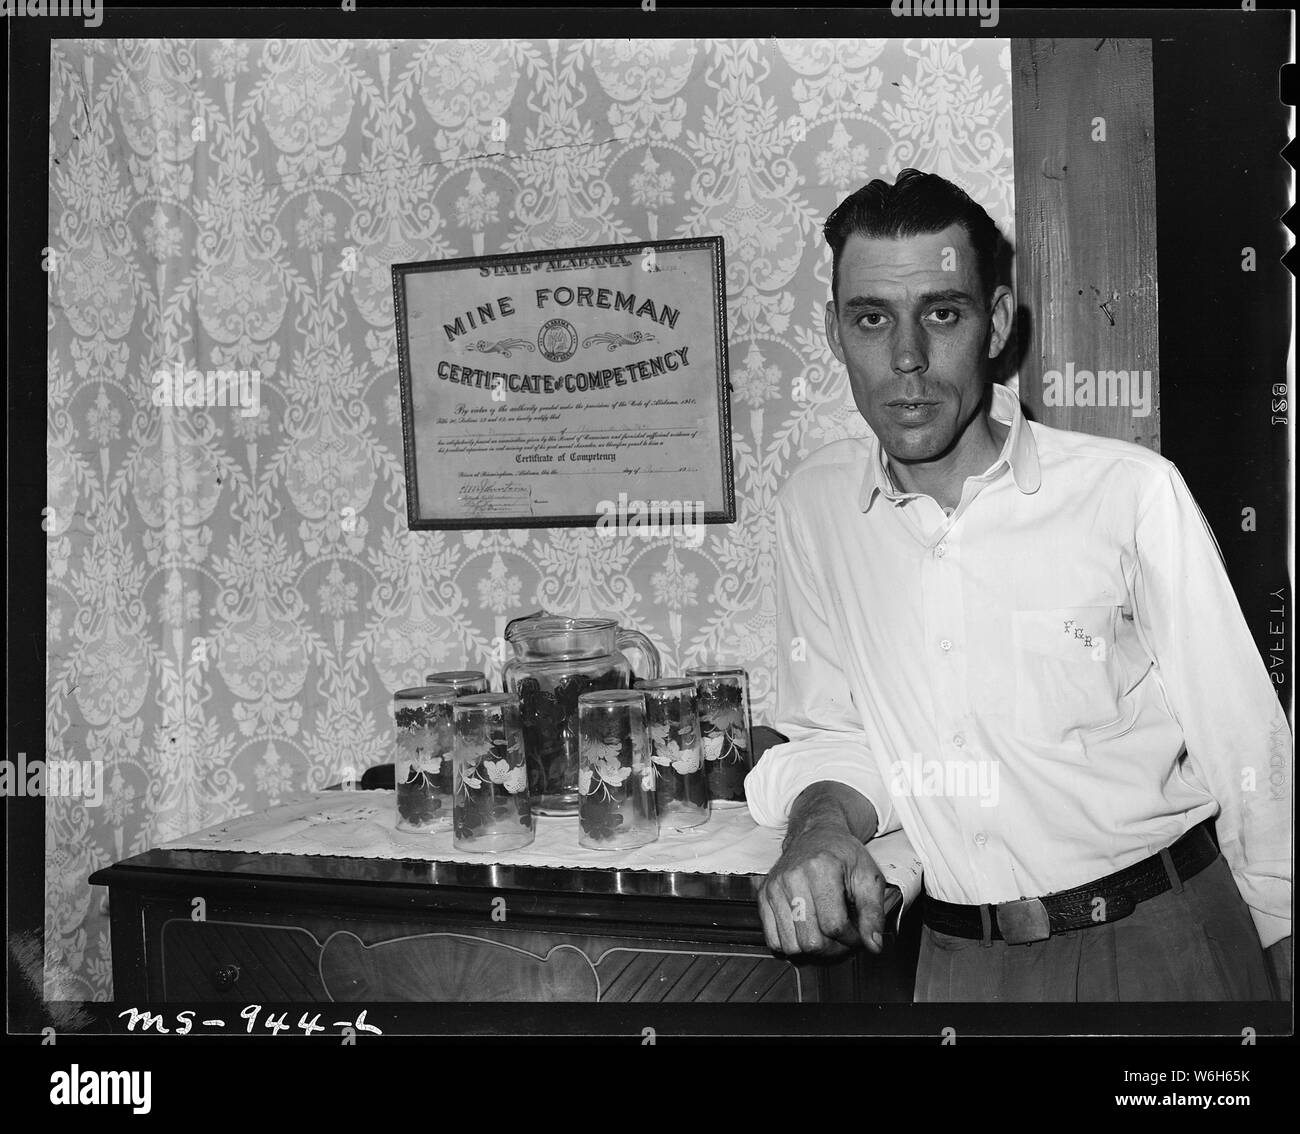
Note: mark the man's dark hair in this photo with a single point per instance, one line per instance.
(916, 203)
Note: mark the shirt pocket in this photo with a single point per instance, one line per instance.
(1068, 677)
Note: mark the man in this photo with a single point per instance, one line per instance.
(1019, 645)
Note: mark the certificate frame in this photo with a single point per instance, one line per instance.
(565, 268)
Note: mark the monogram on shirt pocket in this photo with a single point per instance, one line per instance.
(1067, 676)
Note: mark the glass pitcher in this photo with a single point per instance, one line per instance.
(557, 659)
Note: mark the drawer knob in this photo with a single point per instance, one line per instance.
(225, 975)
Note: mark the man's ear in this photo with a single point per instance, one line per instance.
(1001, 315)
(833, 331)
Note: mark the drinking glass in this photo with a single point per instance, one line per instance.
(422, 764)
(616, 802)
(464, 681)
(491, 810)
(681, 781)
(722, 701)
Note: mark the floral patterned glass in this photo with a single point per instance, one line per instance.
(722, 701)
(616, 804)
(464, 681)
(491, 811)
(681, 782)
(422, 765)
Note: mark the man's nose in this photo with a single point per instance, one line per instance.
(909, 353)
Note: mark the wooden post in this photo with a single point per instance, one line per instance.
(1084, 145)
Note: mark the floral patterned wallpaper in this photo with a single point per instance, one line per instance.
(233, 597)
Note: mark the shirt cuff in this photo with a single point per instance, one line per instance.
(1265, 887)
(786, 770)
(897, 861)
(1270, 927)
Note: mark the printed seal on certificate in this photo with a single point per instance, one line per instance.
(557, 340)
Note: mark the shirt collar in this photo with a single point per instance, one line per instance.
(1019, 451)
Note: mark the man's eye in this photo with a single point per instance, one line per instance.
(866, 319)
(944, 315)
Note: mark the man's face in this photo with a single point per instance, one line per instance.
(914, 330)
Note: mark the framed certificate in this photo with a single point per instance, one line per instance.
(552, 389)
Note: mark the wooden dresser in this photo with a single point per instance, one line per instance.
(201, 926)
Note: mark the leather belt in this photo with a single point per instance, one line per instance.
(1107, 899)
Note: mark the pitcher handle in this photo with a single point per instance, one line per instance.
(647, 648)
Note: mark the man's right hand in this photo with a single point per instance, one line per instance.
(825, 895)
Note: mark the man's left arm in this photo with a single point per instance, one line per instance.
(1238, 742)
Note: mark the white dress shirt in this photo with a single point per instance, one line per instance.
(1014, 684)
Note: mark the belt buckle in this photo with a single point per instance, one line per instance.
(1023, 921)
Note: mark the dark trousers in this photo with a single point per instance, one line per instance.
(1197, 944)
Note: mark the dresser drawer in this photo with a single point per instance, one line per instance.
(238, 961)
(504, 965)
(245, 962)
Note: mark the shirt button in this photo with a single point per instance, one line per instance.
(941, 551)
(945, 645)
(959, 740)
(981, 839)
